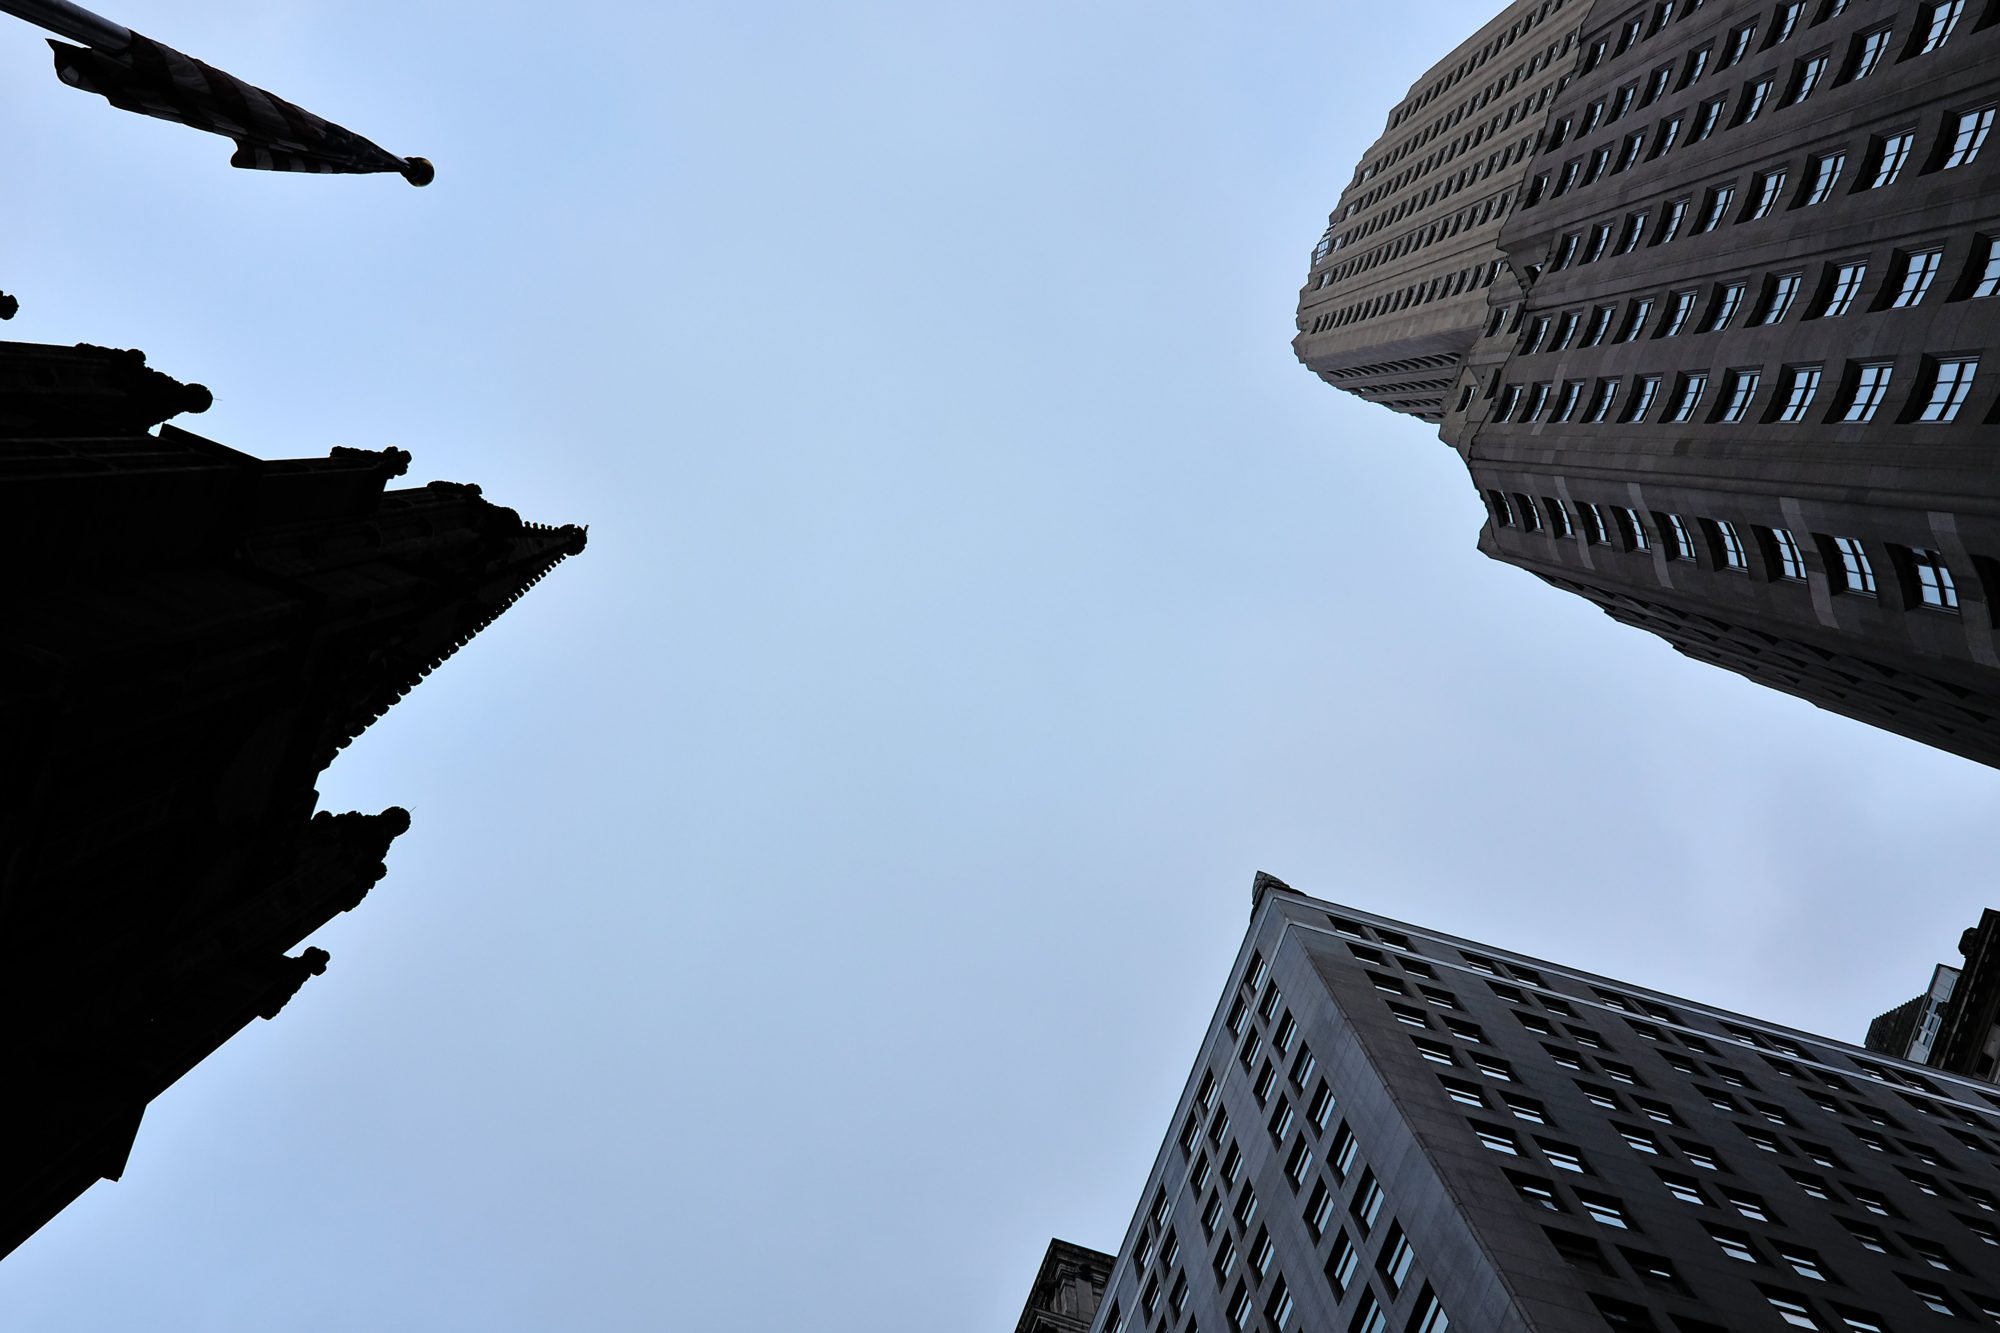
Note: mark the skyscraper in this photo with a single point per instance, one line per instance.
(1389, 1129)
(1955, 1023)
(1068, 1288)
(192, 635)
(1723, 374)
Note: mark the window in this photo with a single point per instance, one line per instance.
(1770, 185)
(1942, 19)
(1889, 160)
(1398, 1256)
(1635, 323)
(1599, 162)
(1369, 1318)
(1688, 398)
(1871, 386)
(1635, 227)
(1788, 20)
(1803, 1261)
(1604, 1209)
(1869, 49)
(1299, 1162)
(1934, 582)
(1801, 383)
(1792, 1310)
(1670, 225)
(1754, 97)
(1499, 1140)
(1920, 269)
(1319, 1209)
(1778, 301)
(1706, 117)
(1536, 1193)
(1950, 389)
(1718, 206)
(1566, 251)
(1430, 1316)
(1687, 1191)
(1810, 71)
(1281, 1125)
(1564, 1156)
(1594, 531)
(1846, 282)
(1670, 130)
(1368, 1201)
(1734, 1244)
(1566, 405)
(1726, 302)
(1600, 241)
(1738, 390)
(1600, 322)
(1565, 330)
(1320, 1111)
(1738, 45)
(1683, 549)
(1340, 1265)
(1856, 574)
(1825, 175)
(1680, 305)
(1525, 1108)
(1968, 136)
(1600, 403)
(1279, 1307)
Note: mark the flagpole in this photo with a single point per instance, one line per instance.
(71, 21)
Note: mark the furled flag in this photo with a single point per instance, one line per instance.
(270, 133)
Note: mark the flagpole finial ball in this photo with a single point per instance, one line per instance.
(9, 307)
(418, 170)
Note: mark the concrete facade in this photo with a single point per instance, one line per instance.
(1388, 1129)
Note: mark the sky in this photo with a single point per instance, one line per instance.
(818, 888)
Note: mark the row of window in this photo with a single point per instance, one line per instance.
(1808, 74)
(1927, 579)
(1402, 952)
(1963, 134)
(1943, 386)
(1910, 276)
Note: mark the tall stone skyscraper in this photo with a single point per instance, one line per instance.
(1721, 355)
(1955, 1023)
(1389, 1129)
(192, 634)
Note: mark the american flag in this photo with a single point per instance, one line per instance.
(271, 134)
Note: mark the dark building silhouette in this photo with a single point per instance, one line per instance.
(1731, 373)
(1955, 1023)
(1388, 1129)
(192, 635)
(1068, 1288)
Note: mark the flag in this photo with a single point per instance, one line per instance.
(271, 134)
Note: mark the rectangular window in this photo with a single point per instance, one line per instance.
(1825, 176)
(1801, 383)
(1754, 98)
(1950, 389)
(1857, 575)
(1635, 322)
(1846, 282)
(1635, 227)
(1671, 224)
(1566, 405)
(1871, 386)
(1739, 390)
(1738, 45)
(1644, 390)
(1920, 269)
(1718, 206)
(1689, 397)
(1683, 549)
(1600, 403)
(1398, 1257)
(1889, 160)
(1940, 21)
(1600, 323)
(1770, 186)
(1600, 241)
(1968, 136)
(1868, 50)
(1778, 303)
(1726, 302)
(1706, 117)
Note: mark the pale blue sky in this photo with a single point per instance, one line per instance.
(817, 888)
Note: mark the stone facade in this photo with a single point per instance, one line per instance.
(1740, 392)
